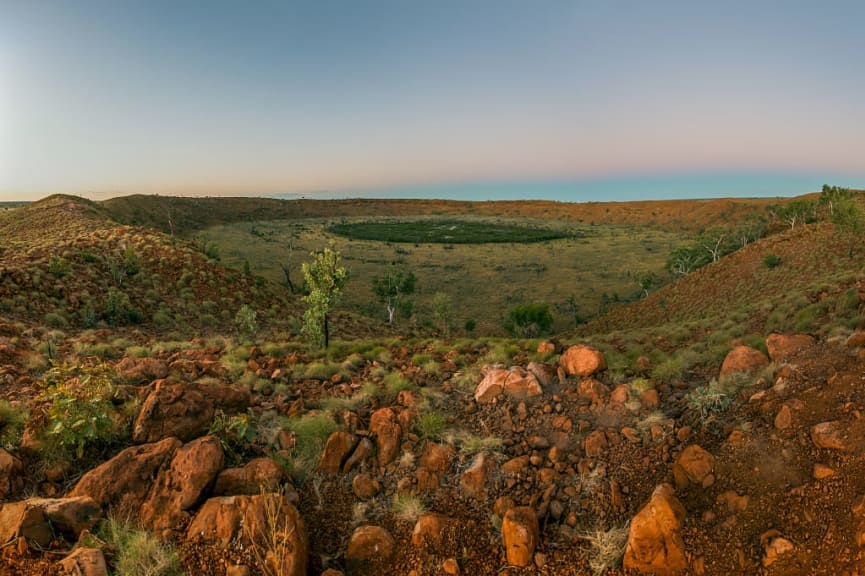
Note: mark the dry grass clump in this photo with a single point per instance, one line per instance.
(608, 547)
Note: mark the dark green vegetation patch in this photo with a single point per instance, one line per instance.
(446, 232)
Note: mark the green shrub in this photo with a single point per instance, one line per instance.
(246, 321)
(772, 261)
(235, 432)
(669, 370)
(131, 261)
(138, 552)
(311, 432)
(78, 403)
(430, 424)
(529, 320)
(58, 266)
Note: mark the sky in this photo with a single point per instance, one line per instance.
(115, 97)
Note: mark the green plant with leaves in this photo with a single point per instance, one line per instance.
(58, 266)
(246, 321)
(772, 261)
(392, 287)
(78, 406)
(849, 220)
(529, 320)
(326, 278)
(235, 432)
(443, 312)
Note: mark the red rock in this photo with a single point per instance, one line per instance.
(38, 519)
(856, 339)
(822, 471)
(85, 562)
(140, 370)
(370, 543)
(475, 481)
(592, 389)
(743, 359)
(515, 465)
(521, 384)
(364, 450)
(520, 534)
(384, 424)
(655, 543)
(595, 443)
(337, 449)
(582, 360)
(226, 518)
(430, 530)
(181, 485)
(832, 436)
(123, 483)
(545, 374)
(257, 474)
(620, 394)
(774, 546)
(649, 398)
(11, 474)
(547, 347)
(732, 501)
(694, 466)
(436, 457)
(782, 346)
(365, 486)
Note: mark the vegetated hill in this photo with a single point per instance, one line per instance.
(65, 263)
(794, 280)
(185, 216)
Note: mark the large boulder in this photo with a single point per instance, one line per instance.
(743, 359)
(520, 534)
(655, 543)
(185, 411)
(258, 474)
(385, 425)
(337, 449)
(179, 487)
(124, 482)
(39, 519)
(782, 346)
(269, 521)
(582, 360)
(516, 383)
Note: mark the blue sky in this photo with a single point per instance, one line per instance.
(228, 97)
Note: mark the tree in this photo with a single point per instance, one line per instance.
(848, 218)
(529, 320)
(443, 312)
(391, 287)
(682, 261)
(326, 279)
(572, 308)
(647, 280)
(797, 212)
(830, 196)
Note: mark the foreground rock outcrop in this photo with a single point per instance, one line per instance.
(655, 543)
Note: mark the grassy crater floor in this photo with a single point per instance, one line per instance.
(448, 231)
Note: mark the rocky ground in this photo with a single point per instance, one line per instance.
(538, 468)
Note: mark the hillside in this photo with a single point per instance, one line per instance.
(674, 435)
(190, 215)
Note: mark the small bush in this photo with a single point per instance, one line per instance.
(430, 424)
(408, 507)
(246, 321)
(669, 370)
(235, 432)
(608, 547)
(58, 266)
(12, 420)
(772, 261)
(79, 409)
(138, 552)
(529, 320)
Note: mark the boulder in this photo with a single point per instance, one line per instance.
(593, 390)
(124, 482)
(185, 411)
(595, 443)
(516, 383)
(179, 487)
(385, 425)
(140, 370)
(259, 473)
(11, 474)
(545, 374)
(337, 450)
(655, 543)
(85, 562)
(782, 346)
(370, 543)
(582, 360)
(365, 486)
(430, 530)
(694, 467)
(856, 339)
(833, 435)
(520, 534)
(743, 359)
(38, 519)
(475, 481)
(255, 519)
(365, 450)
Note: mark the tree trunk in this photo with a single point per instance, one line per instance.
(326, 332)
(390, 310)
